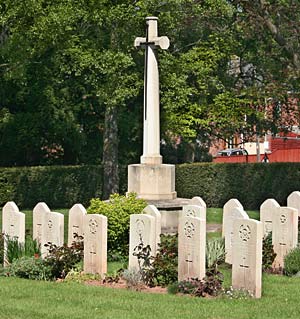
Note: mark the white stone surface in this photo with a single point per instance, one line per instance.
(75, 225)
(232, 210)
(13, 225)
(197, 200)
(293, 201)
(191, 248)
(52, 231)
(142, 230)
(154, 212)
(267, 209)
(152, 182)
(95, 244)
(39, 211)
(194, 211)
(247, 256)
(285, 233)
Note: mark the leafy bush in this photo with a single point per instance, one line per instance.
(118, 210)
(165, 263)
(268, 254)
(215, 253)
(292, 262)
(29, 268)
(62, 259)
(211, 285)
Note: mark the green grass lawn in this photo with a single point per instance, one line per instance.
(22, 299)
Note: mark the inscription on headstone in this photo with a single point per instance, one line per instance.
(284, 234)
(76, 216)
(52, 231)
(191, 248)
(232, 210)
(142, 230)
(267, 209)
(13, 225)
(247, 255)
(95, 244)
(39, 211)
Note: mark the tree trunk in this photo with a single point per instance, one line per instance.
(110, 153)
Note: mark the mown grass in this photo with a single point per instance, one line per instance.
(31, 299)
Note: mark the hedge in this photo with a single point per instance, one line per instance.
(63, 186)
(58, 186)
(250, 183)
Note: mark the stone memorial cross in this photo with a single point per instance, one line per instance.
(151, 142)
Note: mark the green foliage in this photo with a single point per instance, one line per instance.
(118, 210)
(16, 250)
(215, 253)
(250, 183)
(58, 186)
(268, 253)
(1, 248)
(165, 263)
(29, 268)
(292, 262)
(60, 260)
(211, 285)
(133, 278)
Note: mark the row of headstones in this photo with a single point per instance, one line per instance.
(243, 238)
(49, 227)
(145, 229)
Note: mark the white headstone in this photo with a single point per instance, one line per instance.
(38, 215)
(13, 222)
(232, 210)
(52, 231)
(247, 255)
(194, 211)
(75, 226)
(197, 200)
(267, 209)
(191, 248)
(142, 230)
(284, 234)
(293, 201)
(95, 244)
(153, 211)
(13, 225)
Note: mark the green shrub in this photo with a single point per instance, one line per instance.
(29, 268)
(292, 262)
(268, 254)
(58, 186)
(118, 210)
(165, 263)
(250, 183)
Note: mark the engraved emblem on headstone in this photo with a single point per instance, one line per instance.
(189, 229)
(140, 226)
(93, 225)
(283, 219)
(50, 223)
(245, 232)
(191, 213)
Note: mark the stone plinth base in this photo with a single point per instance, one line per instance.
(170, 211)
(152, 182)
